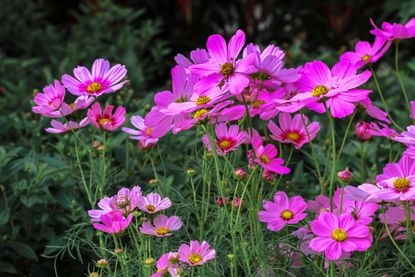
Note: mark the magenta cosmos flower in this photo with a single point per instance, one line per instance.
(283, 211)
(336, 86)
(107, 120)
(391, 31)
(152, 203)
(223, 67)
(113, 222)
(397, 180)
(266, 156)
(367, 106)
(80, 103)
(227, 139)
(167, 263)
(292, 130)
(195, 254)
(60, 128)
(337, 233)
(365, 53)
(197, 56)
(363, 130)
(102, 79)
(407, 137)
(50, 99)
(162, 226)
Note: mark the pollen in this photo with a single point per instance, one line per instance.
(148, 131)
(366, 57)
(202, 100)
(195, 258)
(294, 136)
(258, 103)
(339, 235)
(94, 87)
(162, 231)
(264, 158)
(181, 99)
(225, 144)
(287, 215)
(319, 90)
(227, 69)
(200, 113)
(401, 184)
(150, 208)
(72, 106)
(102, 121)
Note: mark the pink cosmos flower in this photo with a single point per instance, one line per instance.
(407, 137)
(292, 130)
(113, 222)
(320, 204)
(383, 131)
(197, 56)
(365, 53)
(152, 203)
(223, 67)
(266, 156)
(363, 130)
(107, 120)
(80, 103)
(397, 180)
(372, 110)
(337, 86)
(161, 226)
(102, 79)
(337, 233)
(391, 31)
(60, 128)
(395, 217)
(195, 254)
(167, 263)
(364, 192)
(50, 99)
(227, 139)
(283, 211)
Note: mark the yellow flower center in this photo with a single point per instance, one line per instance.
(150, 208)
(102, 121)
(227, 69)
(162, 231)
(94, 87)
(264, 158)
(293, 136)
(195, 258)
(319, 90)
(181, 99)
(225, 144)
(202, 100)
(258, 103)
(339, 235)
(148, 131)
(199, 113)
(287, 215)
(72, 106)
(366, 57)
(401, 184)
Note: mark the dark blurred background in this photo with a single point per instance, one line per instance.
(42, 39)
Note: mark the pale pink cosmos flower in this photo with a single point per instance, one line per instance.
(227, 139)
(365, 53)
(282, 211)
(197, 56)
(364, 192)
(397, 180)
(395, 217)
(167, 263)
(80, 103)
(195, 253)
(293, 130)
(320, 204)
(363, 130)
(113, 222)
(60, 128)
(266, 156)
(50, 99)
(391, 31)
(372, 110)
(223, 67)
(162, 226)
(407, 137)
(338, 233)
(152, 203)
(337, 86)
(106, 120)
(102, 79)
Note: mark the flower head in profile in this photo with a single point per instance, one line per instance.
(60, 128)
(397, 180)
(283, 211)
(363, 130)
(266, 156)
(227, 139)
(195, 253)
(293, 130)
(383, 130)
(223, 68)
(391, 31)
(162, 226)
(50, 99)
(113, 222)
(167, 263)
(367, 106)
(153, 203)
(338, 233)
(106, 120)
(101, 79)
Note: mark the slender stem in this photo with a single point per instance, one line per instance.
(399, 76)
(334, 156)
(408, 222)
(78, 160)
(345, 136)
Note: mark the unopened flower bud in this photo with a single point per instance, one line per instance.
(118, 251)
(240, 173)
(237, 202)
(268, 176)
(94, 274)
(221, 201)
(143, 219)
(95, 144)
(136, 213)
(231, 256)
(345, 175)
(102, 263)
(190, 171)
(149, 261)
(363, 130)
(154, 182)
(142, 146)
(101, 147)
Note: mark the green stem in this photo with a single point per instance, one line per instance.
(334, 156)
(399, 76)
